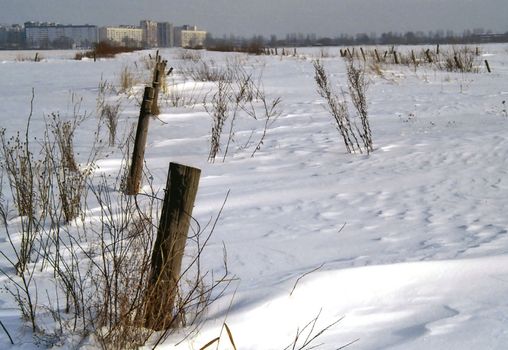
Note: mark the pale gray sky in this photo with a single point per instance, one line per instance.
(247, 17)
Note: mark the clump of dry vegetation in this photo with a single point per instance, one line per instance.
(102, 265)
(357, 139)
(463, 59)
(241, 94)
(104, 49)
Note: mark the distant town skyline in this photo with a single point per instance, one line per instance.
(265, 17)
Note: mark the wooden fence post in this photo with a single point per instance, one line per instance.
(488, 66)
(181, 190)
(458, 63)
(138, 154)
(429, 57)
(377, 55)
(395, 57)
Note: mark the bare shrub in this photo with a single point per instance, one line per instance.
(357, 84)
(189, 55)
(21, 289)
(219, 114)
(177, 96)
(337, 107)
(463, 60)
(104, 49)
(271, 113)
(127, 80)
(69, 178)
(242, 95)
(21, 169)
(108, 112)
(206, 71)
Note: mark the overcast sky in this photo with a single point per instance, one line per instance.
(248, 17)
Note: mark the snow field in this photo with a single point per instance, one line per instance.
(411, 241)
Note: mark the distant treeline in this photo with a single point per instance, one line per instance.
(390, 38)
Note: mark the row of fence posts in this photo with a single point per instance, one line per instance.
(180, 194)
(351, 54)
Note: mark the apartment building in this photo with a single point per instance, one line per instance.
(45, 35)
(122, 35)
(165, 34)
(149, 33)
(12, 37)
(189, 37)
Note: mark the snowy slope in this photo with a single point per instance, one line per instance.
(409, 244)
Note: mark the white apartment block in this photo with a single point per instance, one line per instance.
(40, 35)
(122, 35)
(190, 37)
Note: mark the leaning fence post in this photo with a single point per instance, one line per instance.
(487, 65)
(181, 189)
(429, 57)
(138, 154)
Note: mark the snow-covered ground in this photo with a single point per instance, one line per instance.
(408, 245)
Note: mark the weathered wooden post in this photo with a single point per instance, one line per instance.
(488, 66)
(181, 190)
(158, 76)
(377, 55)
(395, 57)
(36, 59)
(437, 49)
(138, 154)
(429, 57)
(363, 54)
(458, 63)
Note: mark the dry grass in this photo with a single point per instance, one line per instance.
(127, 80)
(337, 106)
(189, 55)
